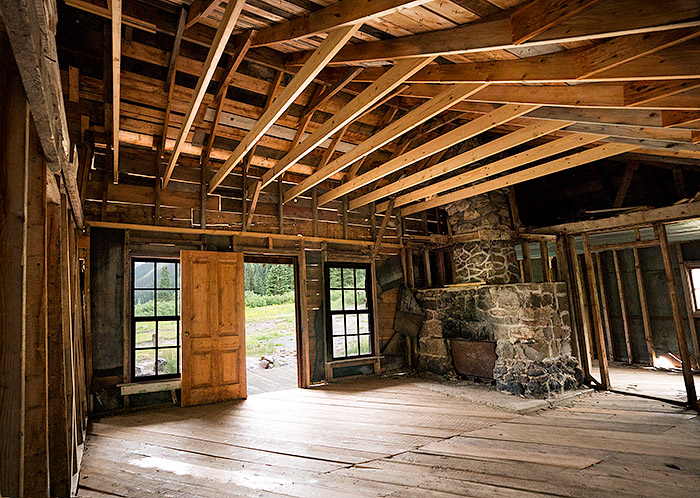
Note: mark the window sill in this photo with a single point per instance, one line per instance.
(149, 387)
(354, 361)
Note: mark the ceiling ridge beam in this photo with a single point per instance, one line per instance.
(479, 153)
(410, 120)
(587, 156)
(228, 23)
(476, 126)
(393, 78)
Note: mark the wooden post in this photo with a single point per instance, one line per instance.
(645, 308)
(306, 348)
(428, 271)
(563, 268)
(345, 217)
(244, 196)
(687, 294)
(280, 204)
(583, 312)
(660, 231)
(527, 262)
(36, 440)
(13, 136)
(623, 307)
(604, 305)
(597, 319)
(544, 260)
(314, 212)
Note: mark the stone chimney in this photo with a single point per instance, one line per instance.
(490, 256)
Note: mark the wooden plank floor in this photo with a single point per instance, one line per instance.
(393, 438)
(267, 380)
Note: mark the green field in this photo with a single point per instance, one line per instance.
(269, 328)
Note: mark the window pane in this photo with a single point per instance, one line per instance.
(166, 303)
(353, 346)
(143, 303)
(143, 275)
(177, 304)
(360, 278)
(361, 300)
(338, 347)
(165, 275)
(351, 324)
(336, 300)
(145, 334)
(145, 362)
(364, 345)
(695, 277)
(364, 324)
(335, 278)
(349, 297)
(339, 325)
(167, 361)
(348, 278)
(167, 334)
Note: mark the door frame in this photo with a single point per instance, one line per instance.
(302, 344)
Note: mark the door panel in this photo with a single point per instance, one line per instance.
(213, 324)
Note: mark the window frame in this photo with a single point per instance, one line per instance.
(330, 313)
(155, 318)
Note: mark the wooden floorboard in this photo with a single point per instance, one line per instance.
(394, 438)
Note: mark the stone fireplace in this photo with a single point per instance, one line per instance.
(528, 322)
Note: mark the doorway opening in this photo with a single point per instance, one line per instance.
(271, 324)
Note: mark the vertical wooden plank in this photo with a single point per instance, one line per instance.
(564, 275)
(440, 257)
(544, 261)
(127, 307)
(375, 304)
(623, 307)
(645, 308)
(314, 211)
(280, 204)
(599, 335)
(688, 295)
(410, 275)
(36, 440)
(604, 305)
(306, 348)
(345, 217)
(14, 124)
(583, 311)
(660, 231)
(428, 271)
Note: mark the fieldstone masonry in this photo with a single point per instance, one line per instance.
(528, 322)
(492, 258)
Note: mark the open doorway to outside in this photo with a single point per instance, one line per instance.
(271, 324)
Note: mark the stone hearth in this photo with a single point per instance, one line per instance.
(528, 322)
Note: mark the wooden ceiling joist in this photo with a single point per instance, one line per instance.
(228, 23)
(538, 16)
(414, 118)
(323, 54)
(608, 61)
(479, 153)
(550, 149)
(555, 166)
(608, 19)
(476, 126)
(365, 100)
(338, 14)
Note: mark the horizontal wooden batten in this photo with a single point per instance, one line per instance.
(587, 156)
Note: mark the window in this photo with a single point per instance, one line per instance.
(350, 318)
(694, 272)
(155, 319)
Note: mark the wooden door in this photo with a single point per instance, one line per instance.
(213, 327)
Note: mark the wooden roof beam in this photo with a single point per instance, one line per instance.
(416, 117)
(476, 126)
(228, 23)
(374, 93)
(555, 166)
(625, 58)
(323, 54)
(608, 19)
(479, 153)
(200, 9)
(552, 148)
(338, 14)
(538, 16)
